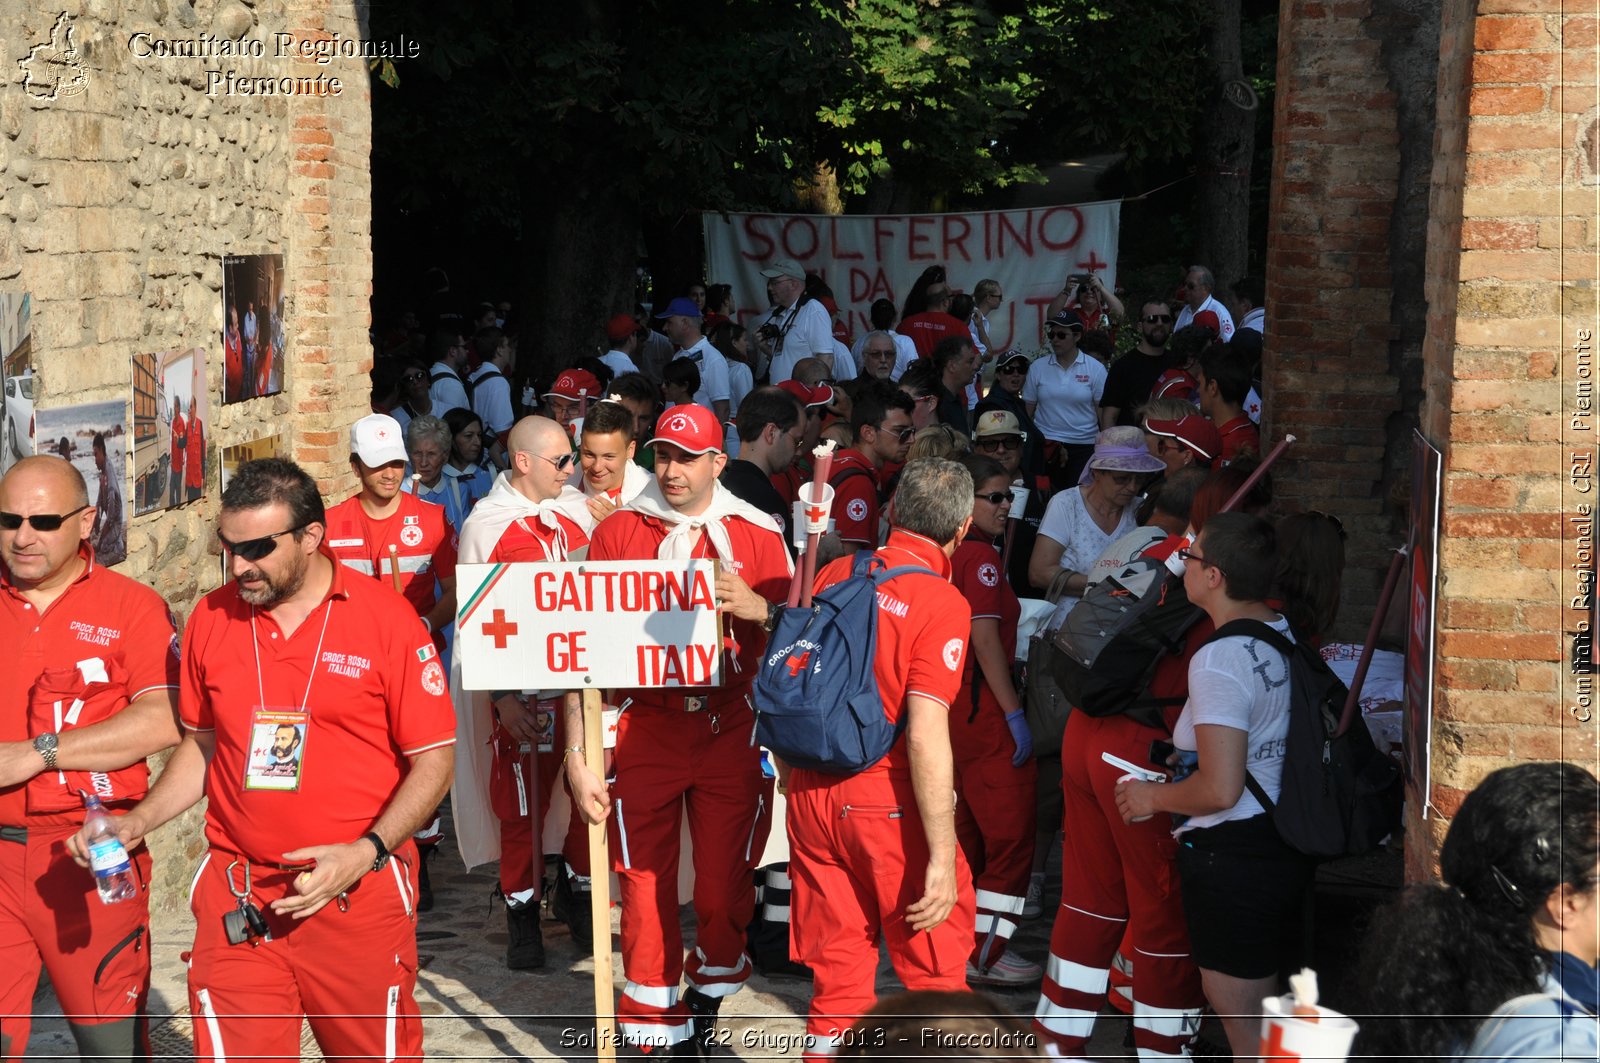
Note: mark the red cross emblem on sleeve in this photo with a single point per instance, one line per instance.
(499, 629)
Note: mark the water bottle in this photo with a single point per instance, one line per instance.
(108, 857)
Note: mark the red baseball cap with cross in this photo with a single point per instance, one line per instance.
(693, 428)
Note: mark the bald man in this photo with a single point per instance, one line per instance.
(75, 631)
(531, 514)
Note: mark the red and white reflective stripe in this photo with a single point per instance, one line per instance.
(402, 886)
(622, 836)
(1062, 1021)
(1002, 903)
(984, 923)
(522, 789)
(652, 996)
(823, 1044)
(389, 1024)
(194, 883)
(1166, 1022)
(213, 1029)
(1069, 975)
(1097, 915)
(660, 1035)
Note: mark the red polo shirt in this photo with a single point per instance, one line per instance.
(1240, 437)
(100, 614)
(927, 329)
(377, 695)
(179, 448)
(529, 540)
(759, 558)
(855, 499)
(424, 541)
(923, 628)
(975, 572)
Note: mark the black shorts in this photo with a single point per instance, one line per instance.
(1242, 892)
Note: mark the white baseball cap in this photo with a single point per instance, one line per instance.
(377, 439)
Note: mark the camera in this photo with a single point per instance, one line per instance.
(768, 332)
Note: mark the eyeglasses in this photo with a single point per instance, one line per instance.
(256, 549)
(1186, 554)
(996, 498)
(1014, 368)
(45, 522)
(412, 378)
(1156, 319)
(562, 463)
(1061, 334)
(902, 435)
(999, 443)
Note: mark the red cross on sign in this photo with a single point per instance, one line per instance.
(499, 629)
(1272, 1048)
(1094, 263)
(797, 663)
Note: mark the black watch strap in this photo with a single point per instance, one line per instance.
(383, 850)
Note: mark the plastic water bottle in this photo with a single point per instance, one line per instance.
(108, 857)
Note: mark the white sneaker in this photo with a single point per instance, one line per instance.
(1009, 970)
(1033, 903)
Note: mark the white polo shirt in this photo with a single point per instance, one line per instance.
(1068, 397)
(1186, 316)
(805, 332)
(713, 373)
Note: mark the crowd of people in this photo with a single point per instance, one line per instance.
(698, 441)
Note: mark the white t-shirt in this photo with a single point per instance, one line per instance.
(740, 384)
(1187, 314)
(802, 333)
(618, 362)
(1241, 683)
(1068, 397)
(844, 364)
(1067, 521)
(713, 374)
(446, 393)
(491, 398)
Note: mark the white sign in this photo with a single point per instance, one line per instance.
(1031, 252)
(588, 624)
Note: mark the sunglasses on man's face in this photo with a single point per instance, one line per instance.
(902, 435)
(1158, 319)
(45, 522)
(1061, 334)
(256, 549)
(1000, 443)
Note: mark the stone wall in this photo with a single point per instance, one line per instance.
(116, 203)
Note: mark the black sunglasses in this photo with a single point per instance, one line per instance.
(562, 463)
(1000, 443)
(996, 498)
(903, 435)
(1014, 367)
(1151, 319)
(45, 522)
(1061, 334)
(256, 549)
(412, 378)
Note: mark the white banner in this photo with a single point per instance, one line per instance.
(588, 624)
(863, 258)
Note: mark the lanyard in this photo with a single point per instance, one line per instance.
(255, 644)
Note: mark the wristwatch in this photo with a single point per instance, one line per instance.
(382, 860)
(45, 746)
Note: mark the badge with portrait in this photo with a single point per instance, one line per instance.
(277, 750)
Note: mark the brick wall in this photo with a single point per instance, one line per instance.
(115, 207)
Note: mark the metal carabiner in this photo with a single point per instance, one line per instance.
(245, 896)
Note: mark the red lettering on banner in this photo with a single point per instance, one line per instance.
(810, 228)
(676, 666)
(957, 241)
(707, 658)
(915, 222)
(1040, 306)
(838, 245)
(882, 230)
(499, 629)
(761, 245)
(1058, 244)
(1023, 239)
(865, 288)
(1095, 264)
(563, 651)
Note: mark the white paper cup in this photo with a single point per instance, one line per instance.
(1286, 1036)
(1019, 501)
(814, 513)
(1135, 778)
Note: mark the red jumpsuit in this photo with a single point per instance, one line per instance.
(98, 955)
(1120, 880)
(995, 812)
(858, 853)
(194, 461)
(363, 682)
(688, 749)
(179, 449)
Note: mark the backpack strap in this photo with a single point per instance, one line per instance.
(1257, 629)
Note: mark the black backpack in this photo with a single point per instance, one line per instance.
(1340, 795)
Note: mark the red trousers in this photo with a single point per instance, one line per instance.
(349, 973)
(668, 762)
(994, 822)
(1116, 876)
(858, 857)
(522, 808)
(98, 955)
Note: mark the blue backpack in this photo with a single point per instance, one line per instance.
(816, 695)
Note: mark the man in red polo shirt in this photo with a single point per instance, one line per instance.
(875, 852)
(531, 514)
(816, 401)
(73, 631)
(686, 748)
(299, 908)
(194, 459)
(881, 419)
(1223, 376)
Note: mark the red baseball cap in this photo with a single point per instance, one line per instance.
(1210, 320)
(693, 428)
(575, 384)
(620, 327)
(821, 395)
(1193, 431)
(1176, 384)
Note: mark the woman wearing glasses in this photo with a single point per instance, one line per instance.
(414, 398)
(1063, 395)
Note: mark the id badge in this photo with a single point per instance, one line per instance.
(277, 749)
(544, 722)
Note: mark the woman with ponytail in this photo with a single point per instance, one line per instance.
(1498, 960)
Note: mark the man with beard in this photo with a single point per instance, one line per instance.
(1131, 377)
(300, 909)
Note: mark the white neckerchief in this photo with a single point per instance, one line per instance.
(679, 543)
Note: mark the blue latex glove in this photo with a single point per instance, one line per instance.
(1022, 736)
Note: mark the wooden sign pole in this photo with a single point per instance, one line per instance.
(605, 1008)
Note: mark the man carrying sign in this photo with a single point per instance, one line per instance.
(527, 516)
(687, 746)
